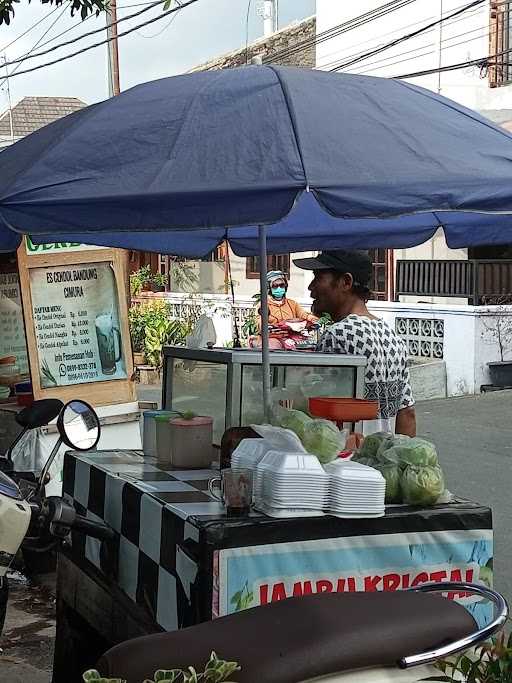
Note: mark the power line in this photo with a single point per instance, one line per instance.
(337, 62)
(408, 36)
(483, 61)
(367, 67)
(15, 70)
(339, 29)
(31, 28)
(91, 33)
(108, 40)
(162, 30)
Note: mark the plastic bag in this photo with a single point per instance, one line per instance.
(392, 440)
(325, 440)
(414, 452)
(281, 439)
(392, 475)
(372, 443)
(422, 485)
(295, 420)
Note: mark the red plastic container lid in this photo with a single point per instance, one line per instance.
(194, 422)
(343, 409)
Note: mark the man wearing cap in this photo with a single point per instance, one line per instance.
(340, 287)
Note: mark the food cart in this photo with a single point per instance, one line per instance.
(64, 334)
(179, 559)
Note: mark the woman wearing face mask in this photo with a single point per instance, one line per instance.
(281, 309)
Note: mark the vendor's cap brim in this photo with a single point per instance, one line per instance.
(311, 264)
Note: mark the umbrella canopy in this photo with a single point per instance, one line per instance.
(323, 159)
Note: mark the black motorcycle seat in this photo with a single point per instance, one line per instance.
(301, 638)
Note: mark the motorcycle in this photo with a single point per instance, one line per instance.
(28, 518)
(381, 637)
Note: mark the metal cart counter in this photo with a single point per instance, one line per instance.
(179, 560)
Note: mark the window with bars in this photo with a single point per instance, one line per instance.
(274, 262)
(500, 41)
(379, 281)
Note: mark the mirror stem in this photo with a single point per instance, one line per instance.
(41, 483)
(16, 441)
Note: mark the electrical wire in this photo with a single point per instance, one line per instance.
(247, 32)
(483, 61)
(408, 36)
(98, 30)
(14, 71)
(107, 40)
(159, 33)
(336, 62)
(31, 28)
(339, 29)
(366, 67)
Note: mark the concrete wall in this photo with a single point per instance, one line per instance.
(267, 47)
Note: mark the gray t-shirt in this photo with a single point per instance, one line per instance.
(387, 375)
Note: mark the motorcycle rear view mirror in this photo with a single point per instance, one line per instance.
(79, 426)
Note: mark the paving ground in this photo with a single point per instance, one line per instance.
(474, 438)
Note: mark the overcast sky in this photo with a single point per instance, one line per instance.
(196, 34)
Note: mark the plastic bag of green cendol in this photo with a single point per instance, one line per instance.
(295, 420)
(414, 451)
(392, 475)
(324, 439)
(422, 485)
(371, 445)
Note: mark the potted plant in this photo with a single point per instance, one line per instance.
(216, 671)
(137, 324)
(498, 325)
(141, 280)
(159, 282)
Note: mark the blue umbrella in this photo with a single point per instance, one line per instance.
(278, 157)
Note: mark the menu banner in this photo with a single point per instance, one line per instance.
(12, 328)
(256, 575)
(76, 318)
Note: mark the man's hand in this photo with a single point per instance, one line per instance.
(406, 422)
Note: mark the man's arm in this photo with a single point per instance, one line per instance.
(406, 421)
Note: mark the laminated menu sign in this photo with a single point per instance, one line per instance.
(76, 319)
(12, 329)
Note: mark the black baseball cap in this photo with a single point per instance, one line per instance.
(357, 263)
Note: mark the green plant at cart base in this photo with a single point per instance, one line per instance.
(490, 662)
(243, 598)
(216, 671)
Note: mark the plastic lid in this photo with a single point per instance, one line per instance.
(151, 413)
(163, 416)
(194, 422)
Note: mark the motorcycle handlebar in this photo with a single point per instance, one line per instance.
(500, 617)
(91, 528)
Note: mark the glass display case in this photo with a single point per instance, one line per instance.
(226, 384)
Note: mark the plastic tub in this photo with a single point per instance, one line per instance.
(343, 409)
(191, 442)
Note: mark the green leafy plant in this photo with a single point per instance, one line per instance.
(250, 325)
(151, 328)
(137, 322)
(139, 279)
(160, 280)
(216, 671)
(243, 598)
(490, 662)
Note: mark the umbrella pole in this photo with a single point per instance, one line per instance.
(265, 352)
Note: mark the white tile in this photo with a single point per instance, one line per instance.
(114, 502)
(150, 527)
(170, 486)
(186, 510)
(128, 567)
(167, 608)
(185, 475)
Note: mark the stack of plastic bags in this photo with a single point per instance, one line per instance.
(409, 466)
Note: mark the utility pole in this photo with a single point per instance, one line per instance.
(114, 87)
(11, 125)
(269, 11)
